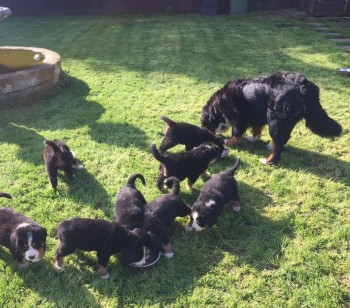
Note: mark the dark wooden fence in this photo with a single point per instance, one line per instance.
(43, 7)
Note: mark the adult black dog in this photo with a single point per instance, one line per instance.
(130, 204)
(280, 100)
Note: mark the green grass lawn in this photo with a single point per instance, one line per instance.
(288, 247)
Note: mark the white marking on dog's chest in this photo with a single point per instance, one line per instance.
(23, 225)
(209, 203)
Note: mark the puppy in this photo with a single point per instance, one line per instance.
(280, 101)
(104, 237)
(189, 135)
(216, 192)
(57, 155)
(190, 164)
(25, 239)
(130, 204)
(161, 213)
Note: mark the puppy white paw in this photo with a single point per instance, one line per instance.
(252, 138)
(59, 268)
(107, 276)
(188, 228)
(236, 208)
(263, 161)
(80, 167)
(269, 146)
(168, 255)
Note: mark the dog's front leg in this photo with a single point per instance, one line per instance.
(102, 264)
(233, 141)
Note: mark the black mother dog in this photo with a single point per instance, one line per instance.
(280, 100)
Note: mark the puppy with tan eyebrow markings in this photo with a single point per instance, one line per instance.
(25, 239)
(215, 194)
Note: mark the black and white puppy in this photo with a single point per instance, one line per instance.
(216, 192)
(189, 135)
(190, 164)
(25, 239)
(130, 204)
(57, 155)
(104, 237)
(161, 213)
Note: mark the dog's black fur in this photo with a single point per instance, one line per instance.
(216, 192)
(104, 237)
(187, 134)
(25, 239)
(190, 164)
(57, 155)
(280, 100)
(5, 195)
(130, 204)
(161, 213)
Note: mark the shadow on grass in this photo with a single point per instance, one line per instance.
(293, 158)
(247, 236)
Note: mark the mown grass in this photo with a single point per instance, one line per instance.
(289, 246)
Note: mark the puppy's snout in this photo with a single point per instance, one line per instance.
(31, 257)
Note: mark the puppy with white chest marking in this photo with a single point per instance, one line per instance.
(189, 135)
(190, 164)
(58, 156)
(130, 204)
(104, 237)
(161, 213)
(25, 239)
(216, 192)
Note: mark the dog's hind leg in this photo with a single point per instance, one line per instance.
(52, 171)
(102, 264)
(256, 133)
(280, 134)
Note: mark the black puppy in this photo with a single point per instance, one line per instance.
(161, 213)
(280, 101)
(25, 239)
(57, 155)
(216, 192)
(130, 204)
(189, 135)
(104, 237)
(190, 164)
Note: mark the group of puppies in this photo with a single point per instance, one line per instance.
(140, 227)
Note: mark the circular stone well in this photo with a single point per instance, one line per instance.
(26, 72)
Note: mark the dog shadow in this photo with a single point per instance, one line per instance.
(85, 189)
(295, 159)
(248, 237)
(119, 134)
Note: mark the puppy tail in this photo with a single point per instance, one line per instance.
(133, 177)
(52, 145)
(235, 167)
(5, 195)
(174, 183)
(167, 121)
(157, 155)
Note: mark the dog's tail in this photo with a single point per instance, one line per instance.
(157, 155)
(316, 117)
(133, 177)
(53, 145)
(168, 121)
(5, 195)
(174, 183)
(232, 170)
